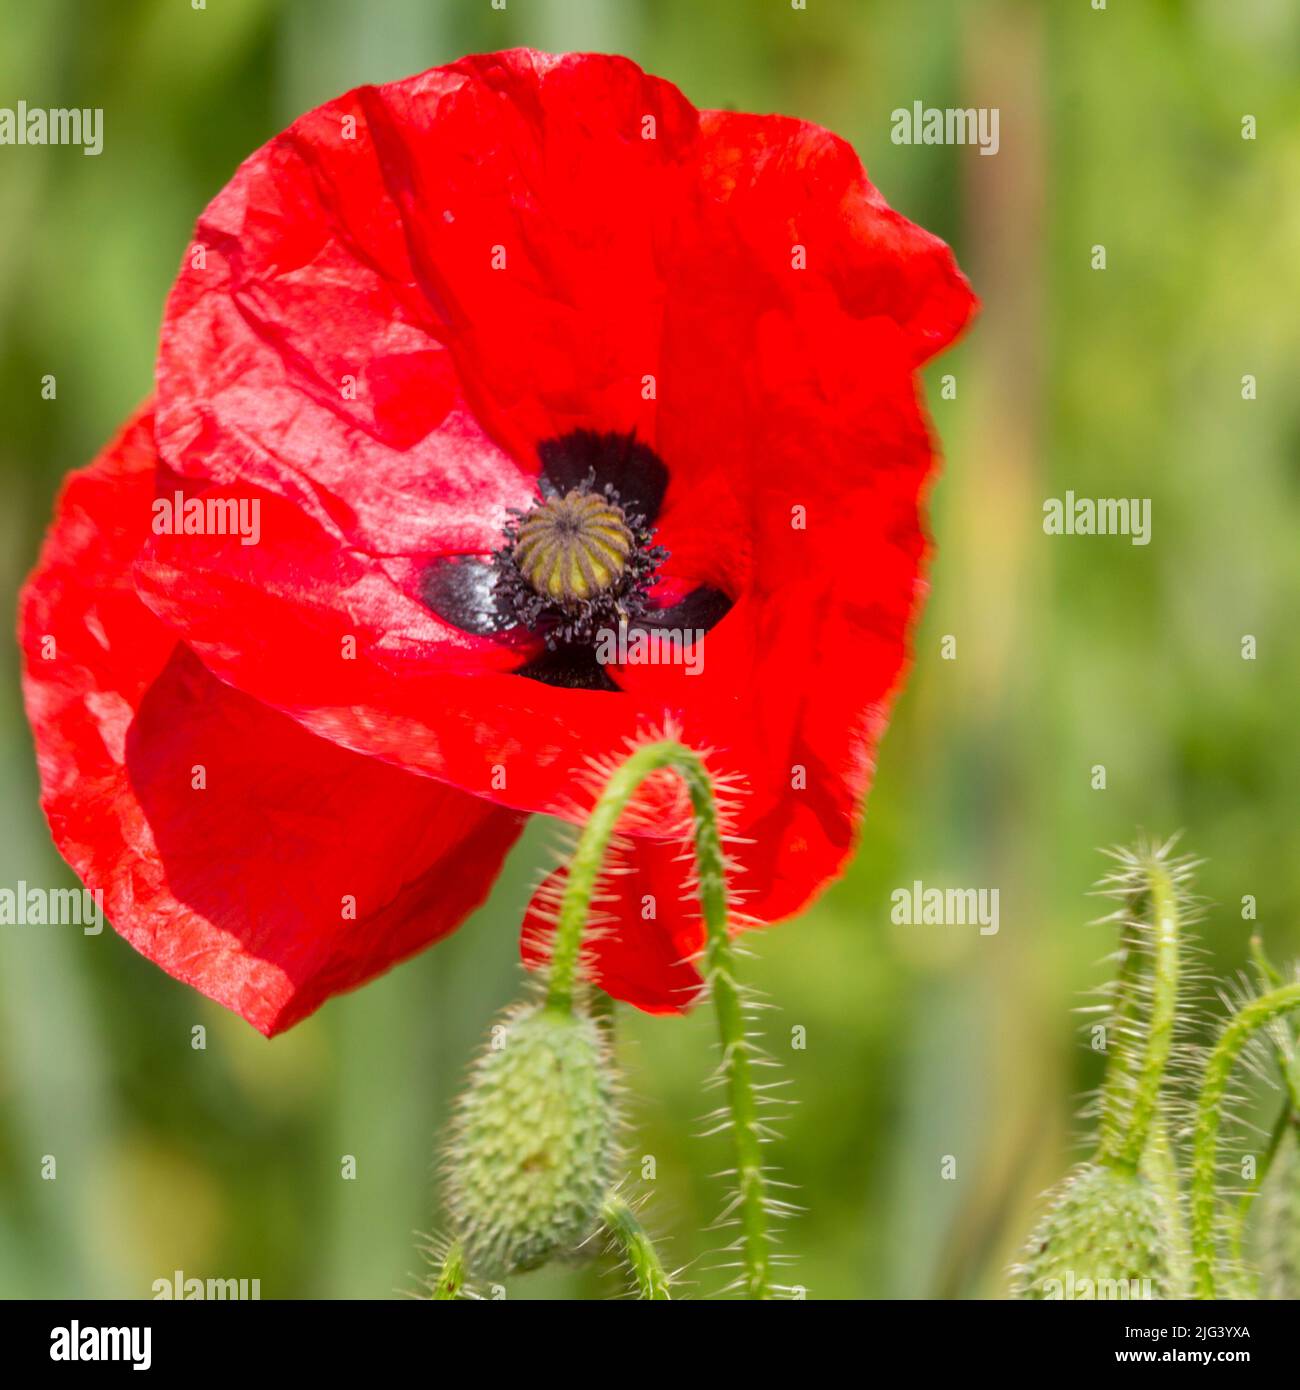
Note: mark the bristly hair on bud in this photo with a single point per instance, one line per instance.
(1148, 1008)
(535, 1141)
(1127, 1216)
(1151, 1013)
(1120, 1217)
(1105, 1235)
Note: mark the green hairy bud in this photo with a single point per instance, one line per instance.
(1105, 1236)
(535, 1141)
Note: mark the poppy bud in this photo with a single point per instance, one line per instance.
(1105, 1236)
(1279, 1224)
(535, 1142)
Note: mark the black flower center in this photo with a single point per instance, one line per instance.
(576, 562)
(576, 566)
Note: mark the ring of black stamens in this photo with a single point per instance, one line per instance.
(486, 596)
(577, 622)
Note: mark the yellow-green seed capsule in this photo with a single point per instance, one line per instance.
(535, 1141)
(1277, 1223)
(1105, 1236)
(573, 547)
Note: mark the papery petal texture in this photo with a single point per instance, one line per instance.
(419, 312)
(264, 866)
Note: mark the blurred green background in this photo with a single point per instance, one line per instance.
(1120, 128)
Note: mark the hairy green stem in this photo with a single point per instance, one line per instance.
(1124, 1149)
(1119, 1065)
(719, 969)
(1251, 1017)
(742, 1099)
(451, 1277)
(737, 1064)
(1288, 1059)
(651, 1279)
(1161, 1170)
(589, 858)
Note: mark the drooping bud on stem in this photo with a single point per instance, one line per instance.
(530, 1169)
(535, 1142)
(752, 1206)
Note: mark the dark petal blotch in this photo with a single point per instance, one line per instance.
(573, 668)
(620, 461)
(463, 590)
(702, 608)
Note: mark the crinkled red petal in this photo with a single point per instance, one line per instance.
(268, 868)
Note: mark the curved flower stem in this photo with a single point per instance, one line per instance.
(1247, 1200)
(1258, 1013)
(651, 1278)
(1271, 976)
(1288, 1058)
(588, 859)
(451, 1277)
(718, 963)
(1123, 1147)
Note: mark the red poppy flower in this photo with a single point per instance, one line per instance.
(506, 360)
